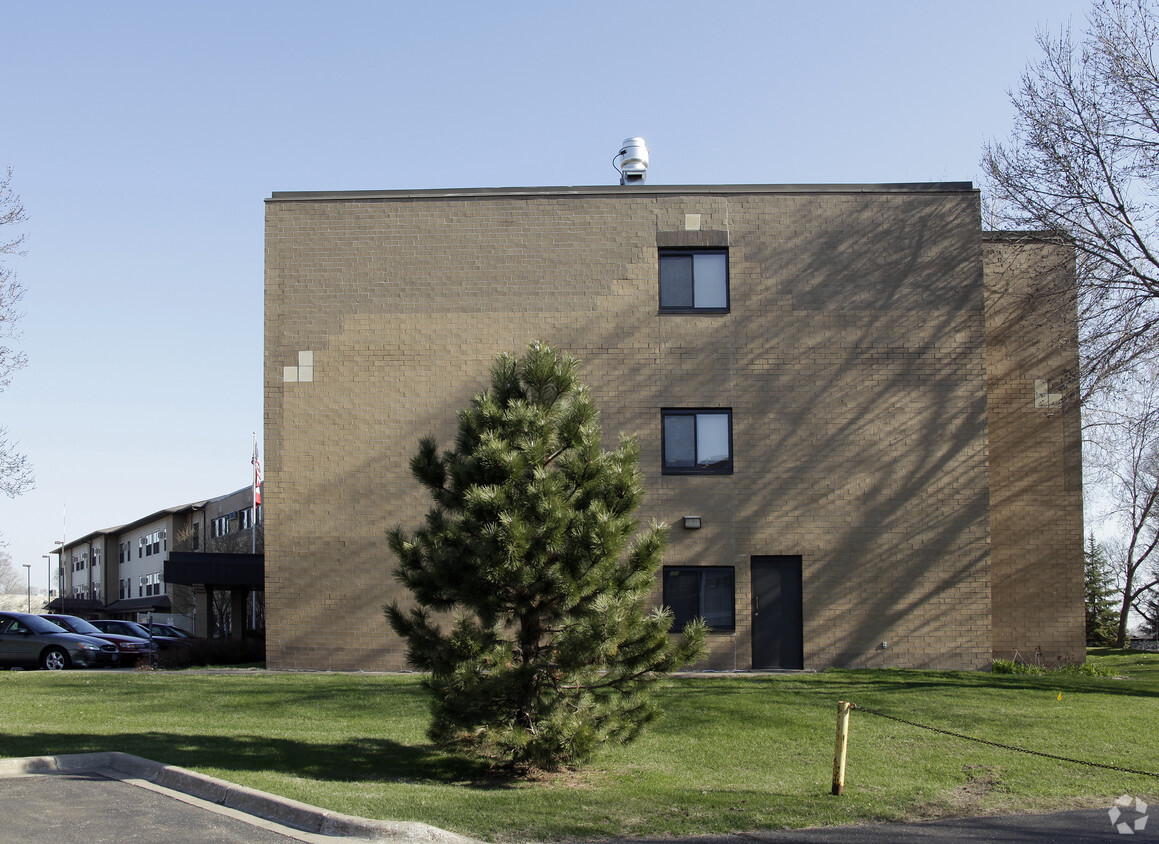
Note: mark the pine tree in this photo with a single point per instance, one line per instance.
(529, 548)
(1149, 609)
(1102, 617)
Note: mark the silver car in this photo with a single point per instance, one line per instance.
(30, 641)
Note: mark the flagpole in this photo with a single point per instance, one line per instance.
(255, 502)
(254, 499)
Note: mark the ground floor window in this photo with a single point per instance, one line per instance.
(705, 592)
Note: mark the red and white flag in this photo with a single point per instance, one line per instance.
(257, 476)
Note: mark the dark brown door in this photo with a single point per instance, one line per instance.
(777, 621)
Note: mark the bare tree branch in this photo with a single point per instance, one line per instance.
(15, 470)
(11, 578)
(1083, 163)
(1123, 458)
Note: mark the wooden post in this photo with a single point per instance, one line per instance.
(843, 708)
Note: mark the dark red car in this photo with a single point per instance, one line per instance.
(132, 628)
(133, 649)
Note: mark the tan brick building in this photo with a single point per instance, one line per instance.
(848, 387)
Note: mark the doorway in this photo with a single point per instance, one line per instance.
(778, 639)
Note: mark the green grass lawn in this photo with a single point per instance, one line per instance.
(732, 753)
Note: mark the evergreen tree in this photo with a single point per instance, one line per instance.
(1102, 617)
(529, 547)
(1149, 609)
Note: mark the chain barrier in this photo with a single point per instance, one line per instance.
(1003, 746)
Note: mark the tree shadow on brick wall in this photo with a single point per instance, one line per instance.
(853, 361)
(877, 418)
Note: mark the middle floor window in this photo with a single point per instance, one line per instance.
(696, 442)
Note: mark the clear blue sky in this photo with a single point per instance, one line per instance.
(144, 136)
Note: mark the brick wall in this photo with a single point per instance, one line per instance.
(852, 359)
(1036, 508)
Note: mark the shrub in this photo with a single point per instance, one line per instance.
(214, 652)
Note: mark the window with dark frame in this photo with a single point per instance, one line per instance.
(696, 441)
(694, 281)
(705, 592)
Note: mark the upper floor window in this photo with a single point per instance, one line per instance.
(694, 280)
(696, 442)
(152, 583)
(700, 592)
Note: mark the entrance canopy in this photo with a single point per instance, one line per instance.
(221, 571)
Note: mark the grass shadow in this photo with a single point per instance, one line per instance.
(362, 760)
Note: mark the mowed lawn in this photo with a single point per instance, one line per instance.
(731, 753)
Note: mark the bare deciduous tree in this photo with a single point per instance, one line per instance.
(11, 578)
(15, 470)
(1083, 163)
(1123, 451)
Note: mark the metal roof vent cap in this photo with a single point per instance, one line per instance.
(633, 162)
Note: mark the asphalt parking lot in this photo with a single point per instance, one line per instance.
(93, 807)
(116, 797)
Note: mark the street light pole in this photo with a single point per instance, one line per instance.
(49, 565)
(29, 567)
(60, 574)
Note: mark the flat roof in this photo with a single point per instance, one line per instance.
(619, 190)
(127, 526)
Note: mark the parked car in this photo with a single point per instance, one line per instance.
(133, 649)
(30, 641)
(172, 630)
(132, 628)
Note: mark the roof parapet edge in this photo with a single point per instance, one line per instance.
(620, 190)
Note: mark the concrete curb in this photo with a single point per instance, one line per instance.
(249, 801)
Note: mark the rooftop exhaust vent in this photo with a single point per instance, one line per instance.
(632, 162)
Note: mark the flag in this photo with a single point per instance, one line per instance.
(257, 476)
